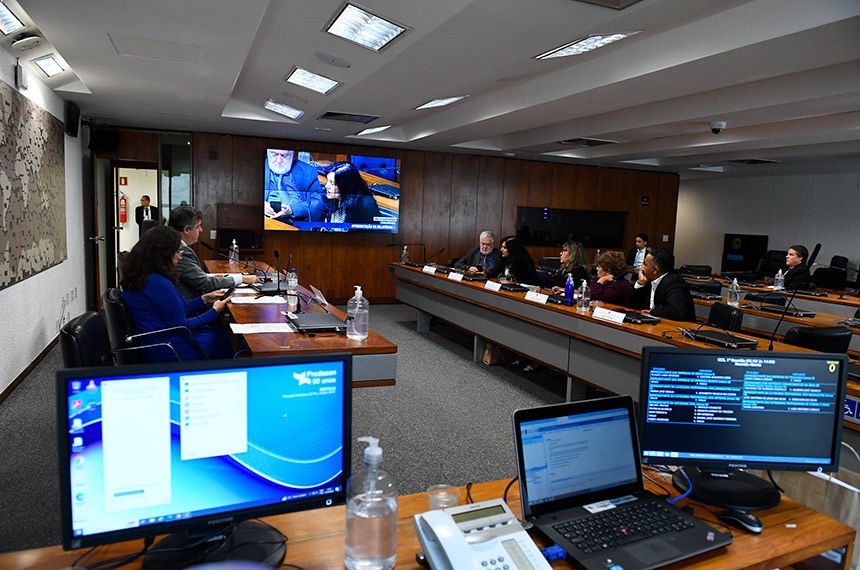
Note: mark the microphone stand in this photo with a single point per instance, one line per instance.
(434, 255)
(781, 317)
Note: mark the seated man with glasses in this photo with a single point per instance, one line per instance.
(293, 189)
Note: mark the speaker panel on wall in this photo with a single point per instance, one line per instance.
(104, 140)
(73, 118)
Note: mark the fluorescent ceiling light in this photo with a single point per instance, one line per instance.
(283, 109)
(373, 130)
(708, 168)
(360, 26)
(9, 22)
(49, 65)
(583, 45)
(312, 81)
(440, 102)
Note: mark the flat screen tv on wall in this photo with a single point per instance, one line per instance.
(554, 226)
(330, 192)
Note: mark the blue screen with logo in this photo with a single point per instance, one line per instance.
(166, 447)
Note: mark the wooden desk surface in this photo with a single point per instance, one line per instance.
(792, 532)
(834, 297)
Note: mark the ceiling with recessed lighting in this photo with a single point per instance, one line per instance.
(783, 74)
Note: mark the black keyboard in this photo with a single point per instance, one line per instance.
(618, 527)
(811, 293)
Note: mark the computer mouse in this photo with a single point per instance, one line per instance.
(744, 520)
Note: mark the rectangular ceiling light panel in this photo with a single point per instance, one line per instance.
(584, 45)
(9, 22)
(49, 65)
(283, 109)
(360, 26)
(312, 81)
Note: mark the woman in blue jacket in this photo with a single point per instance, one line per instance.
(149, 292)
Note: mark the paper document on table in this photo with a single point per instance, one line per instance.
(273, 300)
(244, 291)
(233, 275)
(254, 328)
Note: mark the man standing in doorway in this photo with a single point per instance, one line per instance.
(145, 215)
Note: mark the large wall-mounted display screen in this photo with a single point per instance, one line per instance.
(330, 192)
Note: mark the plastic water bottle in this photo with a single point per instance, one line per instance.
(596, 257)
(779, 281)
(234, 252)
(734, 296)
(404, 255)
(371, 514)
(583, 303)
(568, 290)
(292, 291)
(293, 280)
(357, 316)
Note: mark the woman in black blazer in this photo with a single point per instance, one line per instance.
(516, 262)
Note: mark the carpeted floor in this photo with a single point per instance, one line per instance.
(448, 420)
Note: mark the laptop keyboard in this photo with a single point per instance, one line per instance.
(610, 529)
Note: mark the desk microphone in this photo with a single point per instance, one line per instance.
(781, 317)
(434, 255)
(423, 248)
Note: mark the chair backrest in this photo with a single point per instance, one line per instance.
(713, 286)
(550, 262)
(839, 261)
(830, 278)
(814, 255)
(119, 327)
(544, 277)
(84, 342)
(725, 317)
(767, 298)
(697, 270)
(774, 261)
(822, 339)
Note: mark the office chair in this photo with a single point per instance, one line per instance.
(84, 342)
(830, 278)
(695, 270)
(766, 298)
(839, 261)
(127, 345)
(814, 255)
(725, 317)
(713, 286)
(549, 262)
(452, 262)
(822, 339)
(544, 277)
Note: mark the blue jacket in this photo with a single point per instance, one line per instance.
(299, 188)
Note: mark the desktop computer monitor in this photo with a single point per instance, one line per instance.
(197, 448)
(714, 412)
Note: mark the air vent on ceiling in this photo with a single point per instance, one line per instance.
(585, 142)
(754, 161)
(347, 117)
(615, 4)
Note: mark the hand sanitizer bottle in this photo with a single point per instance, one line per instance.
(583, 304)
(779, 281)
(371, 514)
(404, 255)
(234, 252)
(292, 291)
(734, 296)
(357, 316)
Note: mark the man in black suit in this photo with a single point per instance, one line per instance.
(657, 289)
(796, 272)
(145, 213)
(193, 280)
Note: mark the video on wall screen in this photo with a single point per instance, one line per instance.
(330, 192)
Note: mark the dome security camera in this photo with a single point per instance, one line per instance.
(718, 126)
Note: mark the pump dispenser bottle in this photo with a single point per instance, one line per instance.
(357, 316)
(371, 514)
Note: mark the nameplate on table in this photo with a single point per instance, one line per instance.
(493, 286)
(605, 314)
(455, 276)
(537, 297)
(272, 300)
(429, 269)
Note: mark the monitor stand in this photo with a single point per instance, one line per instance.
(249, 540)
(730, 489)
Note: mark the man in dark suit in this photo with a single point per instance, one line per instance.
(658, 290)
(193, 280)
(145, 213)
(482, 259)
(796, 272)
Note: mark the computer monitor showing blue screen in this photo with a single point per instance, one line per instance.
(713, 412)
(198, 447)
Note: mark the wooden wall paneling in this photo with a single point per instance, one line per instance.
(360, 259)
(491, 197)
(667, 208)
(540, 185)
(411, 205)
(516, 194)
(436, 202)
(249, 165)
(212, 177)
(141, 146)
(464, 205)
(564, 188)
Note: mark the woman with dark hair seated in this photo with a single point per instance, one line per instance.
(347, 197)
(796, 272)
(610, 285)
(573, 262)
(149, 292)
(516, 262)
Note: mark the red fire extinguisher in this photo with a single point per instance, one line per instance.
(123, 209)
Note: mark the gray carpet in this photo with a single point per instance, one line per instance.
(447, 420)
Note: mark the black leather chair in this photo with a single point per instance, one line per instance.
(839, 261)
(550, 262)
(84, 342)
(766, 298)
(695, 270)
(822, 339)
(544, 277)
(774, 261)
(830, 278)
(127, 345)
(725, 317)
(713, 286)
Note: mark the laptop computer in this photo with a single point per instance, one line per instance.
(723, 339)
(579, 467)
(790, 311)
(514, 287)
(639, 318)
(316, 322)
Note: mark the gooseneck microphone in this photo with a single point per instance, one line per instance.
(781, 317)
(434, 255)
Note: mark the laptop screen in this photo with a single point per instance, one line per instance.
(577, 454)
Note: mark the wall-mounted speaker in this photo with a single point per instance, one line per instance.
(102, 140)
(73, 118)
